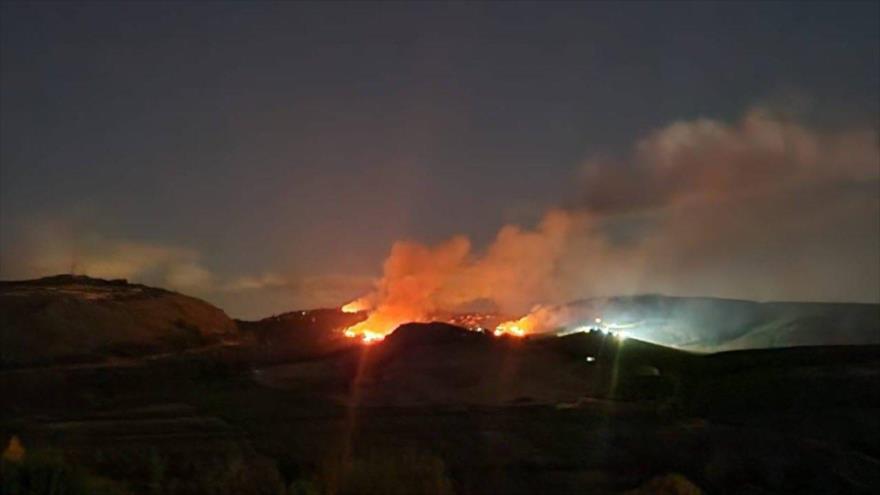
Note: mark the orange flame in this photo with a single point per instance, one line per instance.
(355, 306)
(381, 322)
(515, 328)
(539, 320)
(366, 336)
(370, 337)
(420, 282)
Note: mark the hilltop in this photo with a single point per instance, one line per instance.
(74, 318)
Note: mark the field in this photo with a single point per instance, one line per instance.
(435, 409)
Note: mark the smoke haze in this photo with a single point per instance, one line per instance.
(764, 209)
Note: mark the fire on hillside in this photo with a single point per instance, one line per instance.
(376, 326)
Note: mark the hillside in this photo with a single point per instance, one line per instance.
(714, 324)
(492, 414)
(438, 363)
(304, 331)
(76, 318)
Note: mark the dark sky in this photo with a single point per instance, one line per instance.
(290, 143)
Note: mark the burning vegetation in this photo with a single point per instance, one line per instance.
(449, 281)
(654, 224)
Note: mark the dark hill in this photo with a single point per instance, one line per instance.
(439, 363)
(435, 333)
(300, 334)
(77, 318)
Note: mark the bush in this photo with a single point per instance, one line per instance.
(384, 473)
(667, 484)
(47, 473)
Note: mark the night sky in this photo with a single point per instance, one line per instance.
(265, 156)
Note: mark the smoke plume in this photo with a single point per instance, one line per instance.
(765, 208)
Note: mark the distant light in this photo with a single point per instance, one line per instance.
(303, 313)
(621, 335)
(350, 334)
(498, 333)
(598, 320)
(590, 359)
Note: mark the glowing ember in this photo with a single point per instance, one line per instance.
(517, 328)
(366, 336)
(477, 322)
(382, 322)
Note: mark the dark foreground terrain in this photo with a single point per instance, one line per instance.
(437, 409)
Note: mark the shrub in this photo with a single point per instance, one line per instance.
(47, 473)
(404, 472)
(667, 484)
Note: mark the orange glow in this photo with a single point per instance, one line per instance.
(366, 336)
(381, 322)
(541, 319)
(370, 337)
(515, 328)
(355, 306)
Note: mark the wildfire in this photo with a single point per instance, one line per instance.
(369, 337)
(366, 336)
(355, 306)
(515, 328)
(379, 323)
(385, 318)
